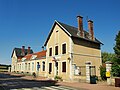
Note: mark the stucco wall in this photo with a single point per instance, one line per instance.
(87, 53)
(58, 37)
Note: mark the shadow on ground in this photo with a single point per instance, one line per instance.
(8, 82)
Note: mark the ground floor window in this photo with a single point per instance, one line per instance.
(32, 66)
(28, 66)
(25, 66)
(63, 66)
(38, 66)
(50, 68)
(43, 66)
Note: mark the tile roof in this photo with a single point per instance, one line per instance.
(39, 55)
(28, 56)
(72, 32)
(18, 52)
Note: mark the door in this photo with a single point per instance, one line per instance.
(56, 68)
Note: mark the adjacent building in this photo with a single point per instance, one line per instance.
(29, 63)
(17, 55)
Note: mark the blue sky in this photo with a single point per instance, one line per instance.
(28, 22)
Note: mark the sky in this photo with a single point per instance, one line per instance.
(28, 22)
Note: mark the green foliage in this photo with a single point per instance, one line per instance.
(103, 73)
(115, 70)
(58, 78)
(117, 45)
(108, 57)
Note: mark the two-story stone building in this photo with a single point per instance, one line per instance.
(70, 48)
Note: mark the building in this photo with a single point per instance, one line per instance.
(70, 48)
(68, 51)
(17, 55)
(29, 63)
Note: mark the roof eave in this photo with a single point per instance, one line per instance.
(88, 40)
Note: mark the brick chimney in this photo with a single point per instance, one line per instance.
(90, 27)
(23, 50)
(80, 25)
(28, 51)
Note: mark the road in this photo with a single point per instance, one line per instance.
(9, 82)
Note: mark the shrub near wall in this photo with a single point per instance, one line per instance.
(103, 73)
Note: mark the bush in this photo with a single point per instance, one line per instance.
(34, 74)
(58, 78)
(115, 70)
(103, 73)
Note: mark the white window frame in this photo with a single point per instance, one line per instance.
(61, 47)
(66, 66)
(49, 51)
(58, 50)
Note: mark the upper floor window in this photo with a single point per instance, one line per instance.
(50, 51)
(64, 48)
(56, 50)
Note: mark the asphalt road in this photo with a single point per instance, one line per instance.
(9, 82)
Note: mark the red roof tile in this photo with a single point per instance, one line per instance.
(39, 55)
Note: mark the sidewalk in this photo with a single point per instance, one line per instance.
(84, 86)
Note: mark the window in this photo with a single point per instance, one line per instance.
(28, 66)
(34, 57)
(20, 66)
(38, 66)
(25, 66)
(32, 66)
(63, 48)
(56, 50)
(50, 51)
(50, 68)
(63, 66)
(43, 66)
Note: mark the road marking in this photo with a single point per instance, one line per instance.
(48, 88)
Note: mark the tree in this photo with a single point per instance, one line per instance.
(116, 61)
(107, 57)
(117, 45)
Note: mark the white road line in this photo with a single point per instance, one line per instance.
(59, 88)
(49, 88)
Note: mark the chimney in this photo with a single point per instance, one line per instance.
(90, 27)
(80, 26)
(43, 48)
(23, 50)
(28, 51)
